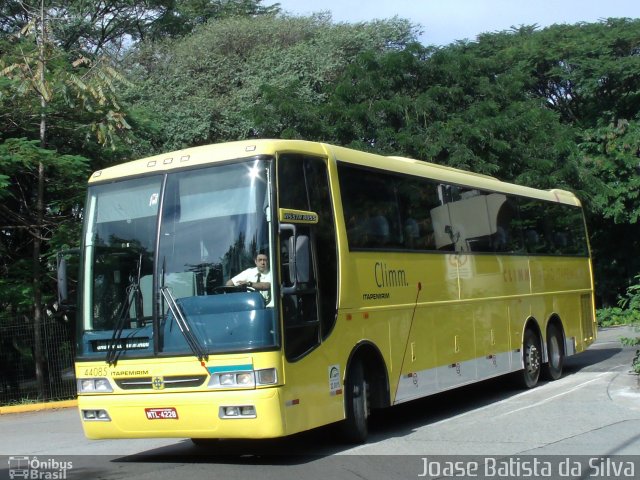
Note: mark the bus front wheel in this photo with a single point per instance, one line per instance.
(532, 358)
(354, 427)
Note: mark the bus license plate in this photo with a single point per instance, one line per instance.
(168, 413)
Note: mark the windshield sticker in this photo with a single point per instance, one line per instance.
(153, 199)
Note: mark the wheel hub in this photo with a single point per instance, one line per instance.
(533, 359)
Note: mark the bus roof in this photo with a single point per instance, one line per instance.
(209, 154)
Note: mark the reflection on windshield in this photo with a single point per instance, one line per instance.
(214, 224)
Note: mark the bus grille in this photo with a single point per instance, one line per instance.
(146, 383)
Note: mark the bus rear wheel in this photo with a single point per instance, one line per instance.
(555, 353)
(532, 357)
(354, 427)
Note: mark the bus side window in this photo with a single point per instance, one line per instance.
(531, 240)
(370, 203)
(551, 228)
(416, 198)
(503, 212)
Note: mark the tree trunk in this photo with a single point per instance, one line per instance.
(40, 360)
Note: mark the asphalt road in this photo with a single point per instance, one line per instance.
(592, 414)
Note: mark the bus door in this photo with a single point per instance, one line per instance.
(309, 285)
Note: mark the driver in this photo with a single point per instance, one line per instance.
(258, 277)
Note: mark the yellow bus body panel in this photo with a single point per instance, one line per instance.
(438, 320)
(197, 412)
(197, 408)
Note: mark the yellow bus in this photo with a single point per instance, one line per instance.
(382, 280)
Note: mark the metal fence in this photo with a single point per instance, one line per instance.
(18, 383)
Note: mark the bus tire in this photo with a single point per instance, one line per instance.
(354, 427)
(555, 353)
(532, 358)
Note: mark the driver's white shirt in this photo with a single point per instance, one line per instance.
(251, 275)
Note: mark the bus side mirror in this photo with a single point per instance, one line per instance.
(63, 291)
(63, 279)
(299, 259)
(300, 267)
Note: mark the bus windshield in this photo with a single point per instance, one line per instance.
(169, 253)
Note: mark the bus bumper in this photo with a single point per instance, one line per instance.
(183, 415)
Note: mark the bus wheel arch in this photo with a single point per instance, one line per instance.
(531, 354)
(366, 387)
(555, 349)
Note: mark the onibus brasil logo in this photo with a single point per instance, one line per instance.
(38, 469)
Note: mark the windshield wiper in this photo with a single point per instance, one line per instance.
(183, 324)
(132, 292)
(114, 348)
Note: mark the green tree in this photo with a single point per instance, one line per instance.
(453, 106)
(230, 79)
(19, 165)
(112, 26)
(612, 152)
(589, 75)
(182, 17)
(33, 75)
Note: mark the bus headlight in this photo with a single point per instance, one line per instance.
(227, 379)
(243, 379)
(94, 385)
(268, 376)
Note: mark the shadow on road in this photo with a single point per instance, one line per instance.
(594, 360)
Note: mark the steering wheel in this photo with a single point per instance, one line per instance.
(232, 289)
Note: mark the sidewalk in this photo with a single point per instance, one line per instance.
(36, 407)
(624, 389)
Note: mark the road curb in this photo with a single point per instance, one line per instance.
(624, 390)
(36, 407)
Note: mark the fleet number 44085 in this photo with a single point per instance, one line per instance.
(95, 372)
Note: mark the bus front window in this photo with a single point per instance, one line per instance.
(119, 250)
(214, 226)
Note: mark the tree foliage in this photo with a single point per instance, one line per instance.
(95, 27)
(19, 159)
(204, 88)
(555, 107)
(45, 93)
